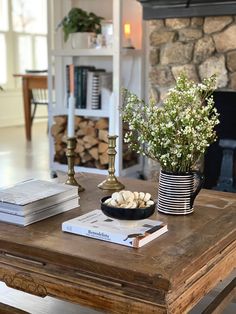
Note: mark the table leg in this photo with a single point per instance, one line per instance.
(27, 108)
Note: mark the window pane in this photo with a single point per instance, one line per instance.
(29, 16)
(24, 53)
(4, 15)
(41, 62)
(3, 60)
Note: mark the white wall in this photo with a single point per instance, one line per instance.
(12, 110)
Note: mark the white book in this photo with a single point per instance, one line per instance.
(94, 89)
(31, 211)
(35, 194)
(98, 226)
(43, 214)
(89, 90)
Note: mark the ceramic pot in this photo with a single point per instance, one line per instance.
(81, 40)
(177, 192)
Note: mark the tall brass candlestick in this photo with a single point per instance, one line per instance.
(70, 154)
(111, 182)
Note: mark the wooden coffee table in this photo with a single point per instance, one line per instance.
(168, 275)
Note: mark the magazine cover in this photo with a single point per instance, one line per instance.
(133, 233)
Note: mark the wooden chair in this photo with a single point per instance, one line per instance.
(39, 96)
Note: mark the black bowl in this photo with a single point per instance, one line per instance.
(126, 213)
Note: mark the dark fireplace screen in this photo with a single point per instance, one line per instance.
(220, 158)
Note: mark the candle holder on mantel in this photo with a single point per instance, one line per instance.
(111, 182)
(70, 154)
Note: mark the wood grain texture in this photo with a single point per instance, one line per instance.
(7, 309)
(169, 274)
(222, 299)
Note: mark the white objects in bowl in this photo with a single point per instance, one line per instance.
(128, 199)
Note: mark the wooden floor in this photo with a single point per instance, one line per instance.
(19, 161)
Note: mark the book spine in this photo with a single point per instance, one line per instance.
(95, 91)
(76, 86)
(11, 212)
(15, 219)
(79, 99)
(84, 87)
(67, 86)
(96, 234)
(89, 90)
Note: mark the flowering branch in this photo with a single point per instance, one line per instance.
(177, 133)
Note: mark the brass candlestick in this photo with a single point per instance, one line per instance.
(70, 154)
(111, 182)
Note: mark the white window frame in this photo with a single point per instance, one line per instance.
(12, 51)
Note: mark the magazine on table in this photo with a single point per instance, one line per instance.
(30, 196)
(96, 225)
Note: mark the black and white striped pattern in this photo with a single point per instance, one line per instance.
(176, 193)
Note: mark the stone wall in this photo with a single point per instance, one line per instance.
(198, 46)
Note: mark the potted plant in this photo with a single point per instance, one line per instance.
(175, 134)
(81, 25)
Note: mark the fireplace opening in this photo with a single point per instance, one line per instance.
(220, 158)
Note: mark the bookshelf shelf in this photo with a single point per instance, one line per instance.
(83, 52)
(84, 112)
(92, 113)
(103, 52)
(125, 66)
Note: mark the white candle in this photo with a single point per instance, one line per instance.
(71, 106)
(112, 116)
(71, 117)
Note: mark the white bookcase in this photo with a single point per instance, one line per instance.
(126, 66)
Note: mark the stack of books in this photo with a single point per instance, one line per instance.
(34, 200)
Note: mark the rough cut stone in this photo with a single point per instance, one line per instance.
(157, 24)
(154, 94)
(231, 61)
(161, 37)
(197, 21)
(161, 76)
(163, 93)
(188, 69)
(188, 34)
(176, 53)
(204, 48)
(177, 23)
(233, 81)
(154, 57)
(216, 23)
(225, 40)
(214, 65)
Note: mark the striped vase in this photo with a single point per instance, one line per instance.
(177, 192)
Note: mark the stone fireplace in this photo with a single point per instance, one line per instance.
(199, 46)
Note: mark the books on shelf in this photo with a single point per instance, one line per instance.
(34, 200)
(98, 226)
(81, 74)
(89, 84)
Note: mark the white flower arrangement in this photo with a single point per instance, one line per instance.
(177, 133)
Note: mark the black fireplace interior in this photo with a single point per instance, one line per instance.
(225, 102)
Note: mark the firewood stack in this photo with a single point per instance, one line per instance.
(92, 142)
